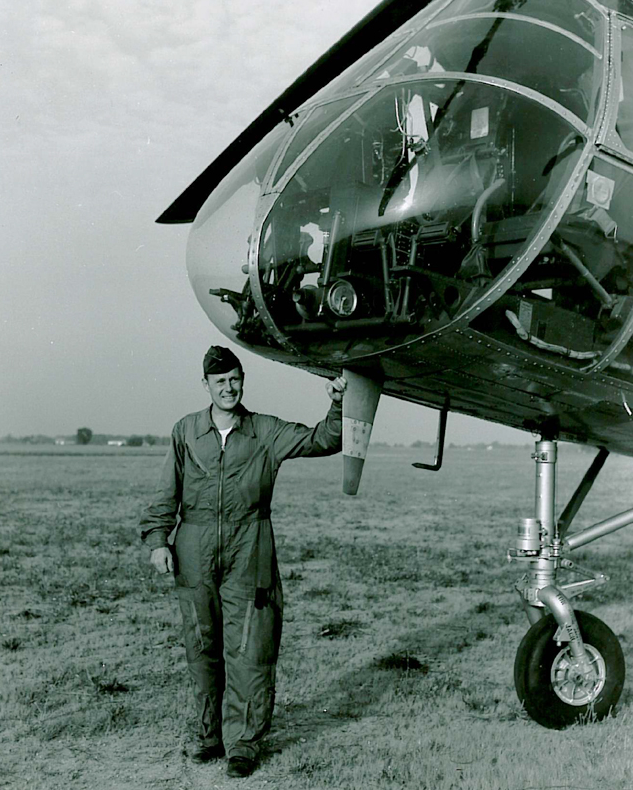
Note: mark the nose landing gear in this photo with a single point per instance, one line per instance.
(569, 666)
(554, 688)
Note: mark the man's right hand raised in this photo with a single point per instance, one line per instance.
(162, 560)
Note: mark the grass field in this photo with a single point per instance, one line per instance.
(399, 639)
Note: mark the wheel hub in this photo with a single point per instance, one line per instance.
(573, 685)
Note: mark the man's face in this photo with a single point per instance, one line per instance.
(225, 389)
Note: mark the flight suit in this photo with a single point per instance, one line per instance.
(225, 567)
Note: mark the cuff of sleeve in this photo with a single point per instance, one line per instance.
(336, 406)
(156, 539)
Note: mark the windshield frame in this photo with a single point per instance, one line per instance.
(626, 331)
(274, 176)
(275, 185)
(608, 138)
(518, 18)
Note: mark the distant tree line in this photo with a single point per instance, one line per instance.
(86, 436)
(35, 438)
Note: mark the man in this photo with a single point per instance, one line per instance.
(217, 484)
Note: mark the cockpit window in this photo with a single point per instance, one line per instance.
(573, 305)
(577, 17)
(408, 209)
(561, 64)
(320, 118)
(622, 6)
(624, 123)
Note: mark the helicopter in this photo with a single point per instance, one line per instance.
(439, 209)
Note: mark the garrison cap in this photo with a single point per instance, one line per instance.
(219, 360)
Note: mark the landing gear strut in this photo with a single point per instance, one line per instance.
(569, 666)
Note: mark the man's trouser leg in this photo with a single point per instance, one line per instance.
(202, 619)
(252, 633)
(202, 628)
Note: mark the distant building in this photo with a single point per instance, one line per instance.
(116, 442)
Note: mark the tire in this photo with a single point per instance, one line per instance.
(542, 674)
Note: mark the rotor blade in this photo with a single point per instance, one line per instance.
(364, 36)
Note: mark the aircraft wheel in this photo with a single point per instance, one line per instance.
(553, 692)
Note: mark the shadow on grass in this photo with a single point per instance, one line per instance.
(416, 670)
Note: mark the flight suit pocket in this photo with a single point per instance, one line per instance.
(187, 556)
(189, 606)
(258, 711)
(197, 479)
(249, 487)
(255, 483)
(247, 626)
(261, 633)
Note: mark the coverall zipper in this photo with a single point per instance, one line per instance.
(220, 487)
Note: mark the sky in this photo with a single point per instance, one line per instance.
(110, 109)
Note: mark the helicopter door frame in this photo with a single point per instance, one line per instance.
(607, 137)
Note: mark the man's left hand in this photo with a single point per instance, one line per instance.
(336, 388)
